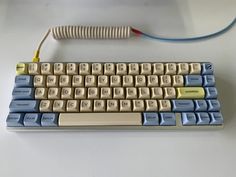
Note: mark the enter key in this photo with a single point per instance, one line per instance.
(190, 92)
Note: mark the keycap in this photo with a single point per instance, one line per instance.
(150, 119)
(203, 118)
(188, 118)
(158, 68)
(24, 106)
(49, 119)
(97, 68)
(15, 119)
(23, 93)
(193, 80)
(183, 68)
(208, 80)
(46, 68)
(88, 119)
(22, 68)
(200, 105)
(167, 119)
(207, 68)
(59, 68)
(23, 81)
(213, 105)
(71, 68)
(190, 92)
(32, 119)
(216, 118)
(39, 81)
(211, 92)
(195, 68)
(182, 105)
(34, 68)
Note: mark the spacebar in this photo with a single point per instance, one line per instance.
(99, 119)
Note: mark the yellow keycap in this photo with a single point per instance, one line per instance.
(21, 68)
(190, 92)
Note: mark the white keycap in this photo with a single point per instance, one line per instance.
(93, 93)
(128, 81)
(156, 93)
(86, 106)
(59, 68)
(169, 93)
(125, 105)
(144, 93)
(138, 105)
(146, 68)
(71, 68)
(64, 81)
(121, 69)
(165, 81)
(118, 93)
(195, 68)
(34, 68)
(170, 68)
(67, 93)
(112, 105)
(109, 69)
(90, 81)
(52, 81)
(158, 68)
(84, 68)
(103, 81)
(178, 80)
(72, 106)
(97, 68)
(115, 81)
(106, 93)
(54, 93)
(46, 68)
(78, 81)
(80, 93)
(131, 92)
(99, 106)
(151, 105)
(45, 106)
(164, 105)
(152, 81)
(183, 68)
(140, 81)
(41, 93)
(133, 68)
(59, 106)
(39, 81)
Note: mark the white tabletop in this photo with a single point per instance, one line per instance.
(120, 153)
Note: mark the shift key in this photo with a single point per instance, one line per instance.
(190, 92)
(24, 106)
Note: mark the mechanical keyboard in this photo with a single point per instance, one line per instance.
(159, 95)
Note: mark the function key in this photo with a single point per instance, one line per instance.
(200, 105)
(15, 120)
(203, 118)
(214, 105)
(207, 68)
(150, 119)
(193, 80)
(49, 120)
(32, 119)
(208, 80)
(188, 118)
(211, 92)
(216, 118)
(167, 119)
(195, 68)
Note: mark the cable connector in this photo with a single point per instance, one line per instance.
(36, 56)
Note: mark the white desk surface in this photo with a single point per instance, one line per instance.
(120, 153)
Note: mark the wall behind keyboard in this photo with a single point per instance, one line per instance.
(119, 153)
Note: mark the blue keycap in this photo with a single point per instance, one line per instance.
(167, 119)
(208, 80)
(24, 81)
(213, 105)
(150, 118)
(210, 93)
(49, 119)
(23, 93)
(24, 106)
(203, 118)
(200, 105)
(188, 118)
(183, 105)
(216, 118)
(15, 120)
(193, 80)
(32, 120)
(207, 68)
